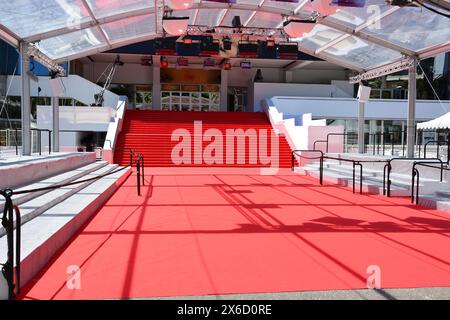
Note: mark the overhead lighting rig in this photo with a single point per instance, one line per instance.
(46, 61)
(228, 32)
(403, 64)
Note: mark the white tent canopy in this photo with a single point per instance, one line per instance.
(443, 122)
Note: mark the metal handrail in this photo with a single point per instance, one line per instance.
(388, 168)
(11, 274)
(338, 134)
(415, 176)
(294, 153)
(355, 163)
(438, 143)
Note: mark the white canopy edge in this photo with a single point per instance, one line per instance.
(443, 122)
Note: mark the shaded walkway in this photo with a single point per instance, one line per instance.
(219, 233)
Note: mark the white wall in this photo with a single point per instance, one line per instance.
(262, 90)
(76, 118)
(346, 108)
(74, 87)
(130, 73)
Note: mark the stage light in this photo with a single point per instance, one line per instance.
(164, 63)
(209, 62)
(175, 26)
(348, 3)
(226, 43)
(182, 62)
(270, 42)
(246, 65)
(298, 28)
(187, 40)
(179, 4)
(226, 65)
(146, 61)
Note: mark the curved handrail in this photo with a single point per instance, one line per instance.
(415, 176)
(294, 153)
(388, 168)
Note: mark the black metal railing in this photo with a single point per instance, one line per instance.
(415, 176)
(320, 158)
(355, 163)
(388, 169)
(40, 139)
(12, 274)
(438, 143)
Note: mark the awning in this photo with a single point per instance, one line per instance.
(443, 122)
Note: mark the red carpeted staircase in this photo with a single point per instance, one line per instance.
(150, 133)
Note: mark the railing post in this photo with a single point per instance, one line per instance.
(388, 182)
(292, 161)
(49, 142)
(17, 145)
(321, 169)
(413, 175)
(417, 186)
(360, 177)
(138, 175)
(8, 224)
(353, 181)
(143, 174)
(131, 158)
(40, 142)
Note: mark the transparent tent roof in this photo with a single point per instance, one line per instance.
(357, 38)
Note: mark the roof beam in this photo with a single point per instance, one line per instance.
(105, 47)
(331, 59)
(367, 23)
(250, 19)
(434, 51)
(9, 37)
(97, 25)
(88, 24)
(389, 68)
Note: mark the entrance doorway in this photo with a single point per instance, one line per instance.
(237, 99)
(198, 97)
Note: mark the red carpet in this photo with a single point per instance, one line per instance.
(218, 233)
(149, 133)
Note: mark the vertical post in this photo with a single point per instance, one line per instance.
(223, 90)
(25, 99)
(361, 127)
(156, 86)
(138, 175)
(49, 142)
(40, 141)
(55, 115)
(17, 139)
(353, 182)
(143, 174)
(411, 121)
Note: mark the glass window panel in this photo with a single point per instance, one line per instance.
(279, 4)
(413, 28)
(364, 54)
(110, 7)
(209, 17)
(353, 17)
(243, 14)
(71, 43)
(185, 13)
(129, 27)
(265, 20)
(319, 36)
(27, 17)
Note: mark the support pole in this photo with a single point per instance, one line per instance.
(156, 86)
(55, 114)
(25, 99)
(361, 127)
(224, 90)
(411, 121)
